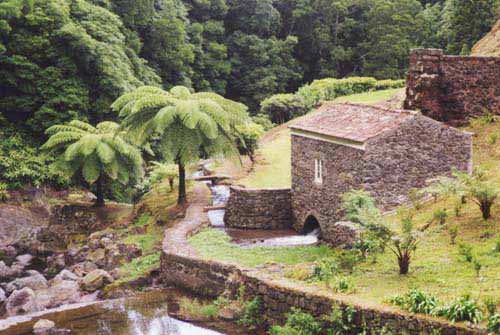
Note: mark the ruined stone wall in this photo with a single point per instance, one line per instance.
(259, 209)
(210, 278)
(452, 88)
(341, 166)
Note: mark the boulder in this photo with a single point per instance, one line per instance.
(8, 273)
(83, 268)
(98, 257)
(96, 280)
(24, 260)
(61, 293)
(21, 302)
(34, 282)
(3, 297)
(55, 264)
(43, 326)
(64, 275)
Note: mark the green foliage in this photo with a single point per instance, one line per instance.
(494, 323)
(94, 155)
(440, 216)
(464, 309)
(297, 323)
(466, 251)
(453, 232)
(189, 124)
(416, 301)
(251, 316)
(341, 285)
(159, 172)
(354, 202)
(283, 107)
(325, 270)
(491, 304)
(405, 245)
(341, 320)
(21, 164)
(4, 193)
(263, 120)
(248, 138)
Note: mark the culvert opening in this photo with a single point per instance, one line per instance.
(311, 226)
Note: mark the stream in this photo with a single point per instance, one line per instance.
(254, 237)
(151, 313)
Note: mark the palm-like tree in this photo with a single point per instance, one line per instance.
(188, 124)
(98, 154)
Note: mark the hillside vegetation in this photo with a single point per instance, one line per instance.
(489, 45)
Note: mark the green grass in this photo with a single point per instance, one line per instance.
(138, 267)
(215, 244)
(272, 169)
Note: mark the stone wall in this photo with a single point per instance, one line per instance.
(389, 167)
(210, 278)
(452, 88)
(259, 209)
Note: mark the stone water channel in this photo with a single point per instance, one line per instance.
(255, 237)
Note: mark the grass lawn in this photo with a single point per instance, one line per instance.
(272, 169)
(437, 266)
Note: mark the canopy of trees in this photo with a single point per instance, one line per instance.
(66, 59)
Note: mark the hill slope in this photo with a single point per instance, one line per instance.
(489, 45)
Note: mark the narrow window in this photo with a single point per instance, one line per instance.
(318, 171)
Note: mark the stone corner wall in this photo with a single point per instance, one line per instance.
(259, 208)
(452, 88)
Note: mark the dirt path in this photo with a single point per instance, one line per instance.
(175, 241)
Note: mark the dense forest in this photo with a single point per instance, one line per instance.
(62, 60)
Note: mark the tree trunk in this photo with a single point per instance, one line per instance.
(171, 183)
(99, 193)
(486, 210)
(404, 264)
(181, 200)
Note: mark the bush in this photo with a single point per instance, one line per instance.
(251, 313)
(440, 216)
(416, 301)
(389, 83)
(297, 323)
(264, 121)
(464, 309)
(4, 193)
(283, 107)
(248, 140)
(22, 164)
(405, 245)
(494, 323)
(465, 250)
(353, 202)
(453, 231)
(341, 320)
(341, 285)
(324, 270)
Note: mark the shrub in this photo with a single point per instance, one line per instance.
(283, 107)
(298, 272)
(453, 231)
(348, 260)
(324, 270)
(484, 195)
(405, 245)
(440, 216)
(416, 197)
(297, 323)
(466, 251)
(490, 305)
(264, 121)
(354, 201)
(494, 323)
(158, 172)
(341, 285)
(194, 308)
(464, 309)
(248, 140)
(497, 246)
(389, 83)
(251, 313)
(416, 301)
(4, 193)
(341, 320)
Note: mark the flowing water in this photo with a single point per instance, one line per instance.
(255, 238)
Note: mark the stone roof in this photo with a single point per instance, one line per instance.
(353, 122)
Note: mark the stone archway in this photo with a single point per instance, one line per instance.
(310, 225)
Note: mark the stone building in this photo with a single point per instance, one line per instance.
(452, 88)
(386, 152)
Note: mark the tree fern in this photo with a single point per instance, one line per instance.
(187, 124)
(95, 155)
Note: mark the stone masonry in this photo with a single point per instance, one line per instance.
(452, 88)
(259, 209)
(385, 152)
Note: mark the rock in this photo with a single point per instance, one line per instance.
(132, 251)
(35, 282)
(8, 273)
(42, 326)
(21, 302)
(8, 253)
(24, 260)
(61, 293)
(106, 241)
(116, 273)
(96, 280)
(3, 297)
(55, 264)
(83, 268)
(64, 275)
(98, 257)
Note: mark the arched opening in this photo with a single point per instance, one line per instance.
(311, 226)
